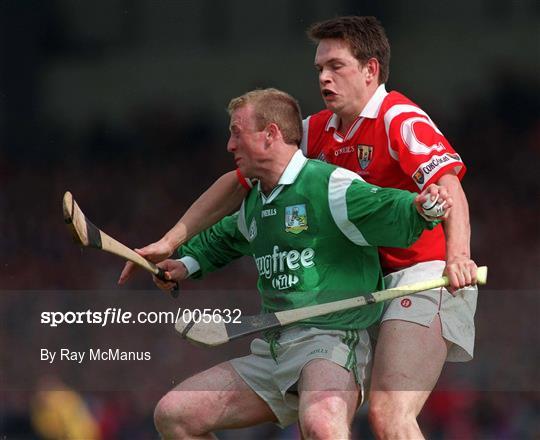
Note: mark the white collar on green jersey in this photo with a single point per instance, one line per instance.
(288, 177)
(292, 170)
(370, 111)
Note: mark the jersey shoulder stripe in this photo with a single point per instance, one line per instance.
(339, 183)
(241, 221)
(305, 136)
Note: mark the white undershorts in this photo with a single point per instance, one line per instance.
(456, 312)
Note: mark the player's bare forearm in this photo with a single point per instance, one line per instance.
(460, 269)
(457, 227)
(221, 199)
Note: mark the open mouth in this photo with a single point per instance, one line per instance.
(328, 93)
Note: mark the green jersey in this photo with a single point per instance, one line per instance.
(314, 239)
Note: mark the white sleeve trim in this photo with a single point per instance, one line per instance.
(339, 183)
(192, 265)
(304, 141)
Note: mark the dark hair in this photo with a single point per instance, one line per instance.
(364, 35)
(273, 106)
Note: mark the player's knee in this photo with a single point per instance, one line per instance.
(326, 418)
(390, 418)
(319, 429)
(377, 419)
(171, 417)
(166, 417)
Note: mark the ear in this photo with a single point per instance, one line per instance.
(273, 132)
(372, 70)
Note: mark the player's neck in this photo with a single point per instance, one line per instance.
(273, 170)
(348, 116)
(345, 122)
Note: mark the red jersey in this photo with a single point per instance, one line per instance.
(392, 143)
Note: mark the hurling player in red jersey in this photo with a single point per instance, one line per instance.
(389, 141)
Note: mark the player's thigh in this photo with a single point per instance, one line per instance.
(327, 388)
(408, 356)
(217, 397)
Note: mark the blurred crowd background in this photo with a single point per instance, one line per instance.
(122, 102)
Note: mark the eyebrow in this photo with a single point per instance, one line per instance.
(331, 60)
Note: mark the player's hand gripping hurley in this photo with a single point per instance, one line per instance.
(217, 333)
(89, 235)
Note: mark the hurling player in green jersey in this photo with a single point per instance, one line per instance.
(312, 229)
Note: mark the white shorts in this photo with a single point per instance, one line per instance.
(456, 312)
(272, 379)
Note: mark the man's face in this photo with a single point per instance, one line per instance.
(341, 77)
(245, 141)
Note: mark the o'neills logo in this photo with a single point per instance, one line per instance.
(344, 150)
(423, 172)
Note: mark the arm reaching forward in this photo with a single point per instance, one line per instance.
(209, 250)
(222, 198)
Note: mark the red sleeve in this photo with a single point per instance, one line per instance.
(246, 183)
(423, 152)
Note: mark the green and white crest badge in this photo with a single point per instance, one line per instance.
(296, 218)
